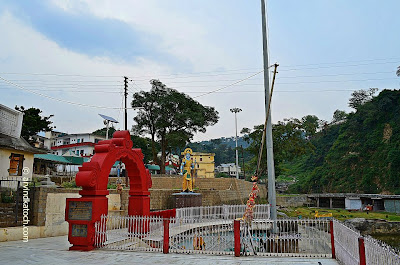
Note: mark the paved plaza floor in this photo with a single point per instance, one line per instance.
(54, 250)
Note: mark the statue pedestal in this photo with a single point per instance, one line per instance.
(186, 199)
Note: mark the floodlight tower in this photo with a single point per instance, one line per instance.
(107, 120)
(236, 110)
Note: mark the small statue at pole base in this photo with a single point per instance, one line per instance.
(187, 167)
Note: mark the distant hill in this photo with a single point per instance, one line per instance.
(360, 154)
(224, 149)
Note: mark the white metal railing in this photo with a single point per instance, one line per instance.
(346, 243)
(201, 236)
(129, 233)
(221, 212)
(210, 230)
(378, 253)
(292, 237)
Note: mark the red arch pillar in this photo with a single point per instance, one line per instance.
(82, 213)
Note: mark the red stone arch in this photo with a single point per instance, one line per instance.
(82, 213)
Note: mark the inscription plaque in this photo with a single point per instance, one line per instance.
(79, 230)
(80, 210)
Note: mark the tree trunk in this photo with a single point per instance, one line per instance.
(163, 151)
(153, 148)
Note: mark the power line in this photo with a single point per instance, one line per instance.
(235, 83)
(335, 66)
(211, 73)
(71, 91)
(283, 77)
(396, 59)
(337, 81)
(295, 83)
(280, 91)
(56, 99)
(345, 62)
(56, 74)
(342, 74)
(65, 80)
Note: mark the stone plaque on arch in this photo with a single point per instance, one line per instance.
(80, 210)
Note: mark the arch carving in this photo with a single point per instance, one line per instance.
(82, 213)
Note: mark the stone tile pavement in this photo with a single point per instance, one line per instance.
(54, 250)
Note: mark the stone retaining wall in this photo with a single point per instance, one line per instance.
(292, 200)
(375, 227)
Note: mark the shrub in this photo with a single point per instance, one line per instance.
(221, 175)
(69, 185)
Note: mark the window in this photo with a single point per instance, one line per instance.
(81, 152)
(77, 152)
(79, 140)
(16, 164)
(201, 159)
(82, 140)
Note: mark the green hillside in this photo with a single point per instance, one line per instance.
(358, 154)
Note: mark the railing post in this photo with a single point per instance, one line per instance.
(361, 251)
(332, 240)
(166, 236)
(236, 230)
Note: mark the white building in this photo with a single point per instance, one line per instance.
(229, 169)
(81, 144)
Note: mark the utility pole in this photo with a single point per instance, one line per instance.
(244, 170)
(236, 110)
(126, 99)
(269, 142)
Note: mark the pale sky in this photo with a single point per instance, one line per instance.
(78, 52)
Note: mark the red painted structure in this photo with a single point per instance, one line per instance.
(82, 213)
(332, 239)
(361, 251)
(72, 145)
(236, 235)
(166, 236)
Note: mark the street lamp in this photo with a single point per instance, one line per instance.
(236, 110)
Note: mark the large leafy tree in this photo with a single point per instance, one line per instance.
(288, 139)
(169, 117)
(360, 97)
(103, 131)
(339, 116)
(310, 124)
(33, 122)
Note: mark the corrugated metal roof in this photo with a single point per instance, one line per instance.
(153, 167)
(53, 158)
(61, 159)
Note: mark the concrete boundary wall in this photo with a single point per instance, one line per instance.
(48, 213)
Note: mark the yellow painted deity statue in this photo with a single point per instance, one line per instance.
(186, 170)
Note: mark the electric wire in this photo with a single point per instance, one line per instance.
(235, 83)
(392, 60)
(57, 99)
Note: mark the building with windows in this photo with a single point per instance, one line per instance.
(229, 169)
(16, 154)
(81, 144)
(204, 164)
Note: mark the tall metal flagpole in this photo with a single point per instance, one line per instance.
(269, 142)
